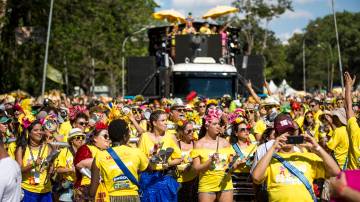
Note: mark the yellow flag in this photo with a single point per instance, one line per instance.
(54, 74)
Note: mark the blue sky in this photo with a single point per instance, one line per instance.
(284, 26)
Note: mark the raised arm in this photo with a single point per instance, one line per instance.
(349, 83)
(252, 92)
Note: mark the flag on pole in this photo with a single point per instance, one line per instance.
(54, 74)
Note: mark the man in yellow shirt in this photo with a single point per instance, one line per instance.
(352, 125)
(119, 185)
(315, 107)
(283, 184)
(205, 29)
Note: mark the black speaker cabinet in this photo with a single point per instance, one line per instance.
(139, 70)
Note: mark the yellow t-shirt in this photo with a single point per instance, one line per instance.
(65, 160)
(249, 151)
(285, 187)
(317, 115)
(12, 149)
(214, 179)
(259, 127)
(94, 150)
(64, 129)
(147, 146)
(116, 183)
(205, 30)
(27, 183)
(339, 144)
(354, 149)
(300, 121)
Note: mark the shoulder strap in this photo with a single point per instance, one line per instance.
(122, 166)
(293, 170)
(238, 151)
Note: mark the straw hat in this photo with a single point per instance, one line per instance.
(341, 114)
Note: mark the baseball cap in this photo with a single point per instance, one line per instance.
(283, 123)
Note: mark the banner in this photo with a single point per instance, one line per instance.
(54, 74)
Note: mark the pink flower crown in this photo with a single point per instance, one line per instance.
(212, 114)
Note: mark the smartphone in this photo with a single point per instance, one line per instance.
(295, 139)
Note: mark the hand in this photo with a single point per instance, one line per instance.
(310, 143)
(214, 157)
(266, 83)
(337, 184)
(348, 81)
(248, 84)
(38, 161)
(280, 141)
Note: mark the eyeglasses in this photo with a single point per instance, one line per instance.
(79, 137)
(83, 123)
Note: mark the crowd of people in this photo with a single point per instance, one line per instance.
(61, 148)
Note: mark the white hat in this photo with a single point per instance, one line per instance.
(75, 132)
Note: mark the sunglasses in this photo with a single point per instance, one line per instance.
(83, 123)
(312, 105)
(180, 110)
(202, 106)
(79, 138)
(106, 136)
(189, 131)
(309, 117)
(243, 129)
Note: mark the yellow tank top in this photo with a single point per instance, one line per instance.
(147, 146)
(28, 178)
(215, 179)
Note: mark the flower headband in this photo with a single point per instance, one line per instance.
(212, 114)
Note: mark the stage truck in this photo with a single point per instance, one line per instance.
(194, 62)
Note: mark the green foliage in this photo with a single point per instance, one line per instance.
(81, 31)
(321, 51)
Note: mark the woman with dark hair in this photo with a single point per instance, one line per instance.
(242, 145)
(159, 183)
(311, 126)
(65, 164)
(99, 140)
(211, 157)
(116, 181)
(30, 154)
(187, 175)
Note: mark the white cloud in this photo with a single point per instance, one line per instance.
(304, 1)
(284, 37)
(297, 14)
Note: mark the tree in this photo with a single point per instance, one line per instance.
(256, 11)
(321, 50)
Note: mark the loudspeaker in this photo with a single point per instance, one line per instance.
(139, 70)
(251, 68)
(191, 46)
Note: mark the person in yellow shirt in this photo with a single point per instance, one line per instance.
(315, 108)
(205, 29)
(159, 183)
(339, 141)
(282, 181)
(98, 140)
(311, 126)
(352, 125)
(211, 156)
(64, 164)
(117, 183)
(242, 145)
(30, 156)
(187, 176)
